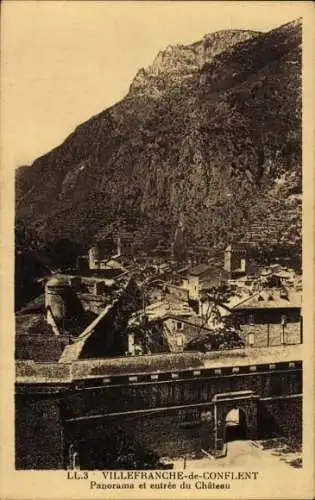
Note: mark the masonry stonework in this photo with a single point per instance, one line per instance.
(181, 412)
(38, 432)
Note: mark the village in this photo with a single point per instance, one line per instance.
(113, 304)
(183, 361)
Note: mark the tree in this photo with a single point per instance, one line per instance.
(216, 340)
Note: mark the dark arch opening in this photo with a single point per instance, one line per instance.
(235, 425)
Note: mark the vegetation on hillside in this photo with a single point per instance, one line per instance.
(219, 151)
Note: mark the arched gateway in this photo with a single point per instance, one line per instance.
(235, 417)
(235, 425)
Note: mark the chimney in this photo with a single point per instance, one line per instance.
(118, 246)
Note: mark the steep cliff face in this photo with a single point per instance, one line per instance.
(208, 135)
(177, 63)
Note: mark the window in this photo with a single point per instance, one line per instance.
(179, 325)
(179, 340)
(251, 339)
(251, 319)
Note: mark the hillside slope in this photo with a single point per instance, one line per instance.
(209, 136)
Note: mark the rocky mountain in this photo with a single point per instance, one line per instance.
(176, 63)
(208, 138)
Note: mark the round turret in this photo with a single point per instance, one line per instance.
(55, 298)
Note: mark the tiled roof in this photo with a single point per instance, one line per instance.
(34, 305)
(236, 246)
(210, 282)
(163, 310)
(192, 320)
(260, 300)
(73, 351)
(199, 269)
(32, 324)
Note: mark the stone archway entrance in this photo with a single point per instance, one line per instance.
(244, 419)
(235, 425)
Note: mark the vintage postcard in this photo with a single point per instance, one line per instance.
(157, 262)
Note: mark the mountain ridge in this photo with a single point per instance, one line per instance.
(205, 149)
(181, 61)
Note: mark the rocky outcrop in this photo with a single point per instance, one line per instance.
(176, 63)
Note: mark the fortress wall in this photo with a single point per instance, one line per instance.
(160, 417)
(281, 417)
(175, 393)
(38, 433)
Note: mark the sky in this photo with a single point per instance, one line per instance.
(64, 61)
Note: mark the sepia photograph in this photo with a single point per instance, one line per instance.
(158, 262)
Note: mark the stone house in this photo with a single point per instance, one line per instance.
(270, 317)
(198, 278)
(179, 330)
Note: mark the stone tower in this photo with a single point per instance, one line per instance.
(235, 260)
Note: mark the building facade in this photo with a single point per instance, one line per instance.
(267, 319)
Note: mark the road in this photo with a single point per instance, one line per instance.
(241, 454)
